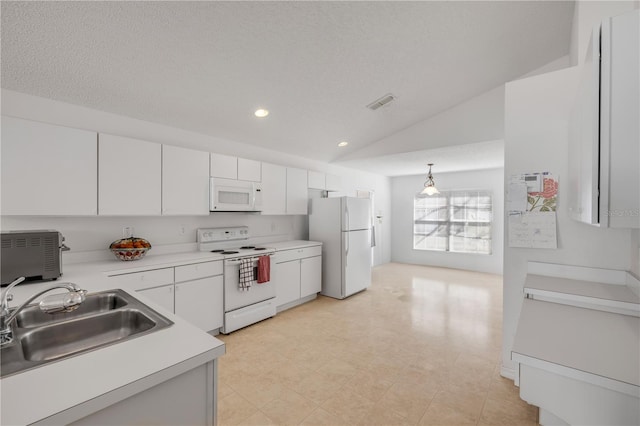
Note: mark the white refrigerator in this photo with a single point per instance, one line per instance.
(343, 225)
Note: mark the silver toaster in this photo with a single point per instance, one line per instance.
(35, 255)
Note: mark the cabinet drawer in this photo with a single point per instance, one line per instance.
(147, 279)
(301, 253)
(198, 270)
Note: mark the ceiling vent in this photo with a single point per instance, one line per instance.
(381, 102)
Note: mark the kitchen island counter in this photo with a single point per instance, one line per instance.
(69, 390)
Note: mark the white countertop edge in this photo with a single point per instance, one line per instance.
(627, 308)
(605, 382)
(105, 400)
(175, 345)
(160, 262)
(585, 273)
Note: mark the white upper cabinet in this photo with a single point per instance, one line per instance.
(129, 176)
(274, 189)
(224, 166)
(619, 127)
(604, 147)
(327, 182)
(250, 170)
(333, 183)
(229, 167)
(316, 180)
(48, 170)
(185, 181)
(297, 195)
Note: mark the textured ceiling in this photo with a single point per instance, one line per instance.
(205, 66)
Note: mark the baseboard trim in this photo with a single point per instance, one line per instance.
(508, 373)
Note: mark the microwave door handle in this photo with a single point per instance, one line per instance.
(253, 203)
(253, 193)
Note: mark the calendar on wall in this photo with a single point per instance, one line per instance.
(531, 209)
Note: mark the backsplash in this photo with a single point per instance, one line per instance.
(89, 234)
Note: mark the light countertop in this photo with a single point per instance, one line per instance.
(616, 292)
(291, 245)
(598, 343)
(69, 383)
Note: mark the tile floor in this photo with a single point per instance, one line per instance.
(420, 347)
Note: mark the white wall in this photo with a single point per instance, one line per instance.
(95, 233)
(536, 139)
(403, 190)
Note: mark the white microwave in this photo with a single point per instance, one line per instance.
(228, 195)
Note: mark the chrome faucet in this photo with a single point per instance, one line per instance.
(50, 305)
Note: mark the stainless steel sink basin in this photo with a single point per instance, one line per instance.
(33, 316)
(103, 319)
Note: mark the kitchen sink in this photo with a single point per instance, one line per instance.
(103, 319)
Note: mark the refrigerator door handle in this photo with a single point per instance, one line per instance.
(347, 227)
(346, 251)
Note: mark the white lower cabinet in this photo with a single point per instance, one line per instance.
(195, 294)
(163, 296)
(310, 276)
(298, 275)
(186, 399)
(200, 302)
(287, 279)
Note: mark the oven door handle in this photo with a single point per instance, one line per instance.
(232, 262)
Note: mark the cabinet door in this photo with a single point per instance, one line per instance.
(200, 302)
(223, 166)
(297, 195)
(185, 181)
(287, 279)
(48, 170)
(274, 189)
(333, 183)
(129, 176)
(316, 180)
(623, 132)
(163, 296)
(249, 170)
(310, 276)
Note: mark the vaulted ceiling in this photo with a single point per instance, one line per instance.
(206, 66)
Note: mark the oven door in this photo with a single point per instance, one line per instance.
(234, 297)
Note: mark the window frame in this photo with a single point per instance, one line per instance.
(447, 227)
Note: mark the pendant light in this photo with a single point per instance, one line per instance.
(429, 184)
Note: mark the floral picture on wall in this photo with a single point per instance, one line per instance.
(545, 201)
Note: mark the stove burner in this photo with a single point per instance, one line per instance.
(260, 248)
(217, 251)
(247, 247)
(230, 252)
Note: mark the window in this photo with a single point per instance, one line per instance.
(455, 221)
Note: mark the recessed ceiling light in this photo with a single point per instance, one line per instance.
(343, 143)
(261, 113)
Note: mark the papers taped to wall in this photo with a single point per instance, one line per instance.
(531, 206)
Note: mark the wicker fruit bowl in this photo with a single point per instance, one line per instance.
(130, 248)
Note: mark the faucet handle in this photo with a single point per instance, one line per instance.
(9, 297)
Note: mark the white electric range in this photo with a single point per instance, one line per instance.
(247, 303)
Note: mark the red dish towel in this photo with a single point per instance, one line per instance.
(264, 269)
